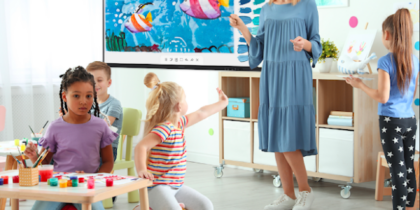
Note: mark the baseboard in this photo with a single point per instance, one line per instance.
(208, 159)
(203, 158)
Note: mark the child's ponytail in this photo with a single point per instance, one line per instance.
(162, 100)
(400, 26)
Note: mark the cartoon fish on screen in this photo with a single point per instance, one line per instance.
(137, 22)
(203, 9)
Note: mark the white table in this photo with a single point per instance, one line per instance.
(78, 194)
(8, 149)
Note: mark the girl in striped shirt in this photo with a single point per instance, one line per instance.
(161, 156)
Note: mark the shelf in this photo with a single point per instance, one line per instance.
(236, 118)
(331, 93)
(337, 127)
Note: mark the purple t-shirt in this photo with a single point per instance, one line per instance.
(76, 147)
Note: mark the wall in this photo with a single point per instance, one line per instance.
(200, 85)
(200, 88)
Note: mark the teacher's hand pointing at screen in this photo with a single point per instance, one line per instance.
(237, 23)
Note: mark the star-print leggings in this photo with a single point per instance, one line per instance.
(398, 137)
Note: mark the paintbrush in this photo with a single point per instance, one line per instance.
(43, 127)
(15, 159)
(39, 158)
(32, 130)
(40, 162)
(23, 159)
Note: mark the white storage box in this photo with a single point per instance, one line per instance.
(268, 158)
(237, 141)
(336, 152)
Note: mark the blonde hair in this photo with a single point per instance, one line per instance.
(161, 101)
(294, 2)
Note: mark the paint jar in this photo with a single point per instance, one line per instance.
(53, 182)
(69, 184)
(63, 183)
(46, 172)
(15, 179)
(74, 181)
(59, 177)
(36, 137)
(81, 180)
(22, 147)
(109, 182)
(91, 183)
(5, 179)
(1, 181)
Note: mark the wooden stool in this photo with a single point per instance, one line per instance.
(381, 190)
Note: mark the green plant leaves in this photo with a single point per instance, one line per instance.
(329, 50)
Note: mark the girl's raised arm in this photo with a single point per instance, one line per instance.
(208, 110)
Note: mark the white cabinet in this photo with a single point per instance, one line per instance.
(336, 152)
(267, 158)
(237, 141)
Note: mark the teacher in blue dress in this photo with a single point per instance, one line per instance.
(287, 38)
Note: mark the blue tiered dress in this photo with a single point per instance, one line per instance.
(286, 115)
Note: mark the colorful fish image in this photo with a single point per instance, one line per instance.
(137, 22)
(169, 26)
(203, 9)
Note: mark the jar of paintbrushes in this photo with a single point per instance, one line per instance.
(29, 175)
(36, 136)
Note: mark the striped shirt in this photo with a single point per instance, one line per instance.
(168, 160)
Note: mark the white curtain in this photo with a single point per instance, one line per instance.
(39, 40)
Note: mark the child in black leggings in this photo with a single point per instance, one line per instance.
(398, 136)
(398, 74)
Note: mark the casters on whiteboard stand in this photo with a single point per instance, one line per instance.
(258, 170)
(276, 181)
(345, 192)
(218, 170)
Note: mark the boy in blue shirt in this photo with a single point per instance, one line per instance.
(108, 105)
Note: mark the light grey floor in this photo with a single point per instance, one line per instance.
(245, 190)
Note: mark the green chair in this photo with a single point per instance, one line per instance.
(130, 128)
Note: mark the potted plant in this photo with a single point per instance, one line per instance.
(329, 54)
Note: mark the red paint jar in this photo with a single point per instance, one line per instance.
(109, 182)
(5, 179)
(15, 179)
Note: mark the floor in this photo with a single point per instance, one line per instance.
(240, 189)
